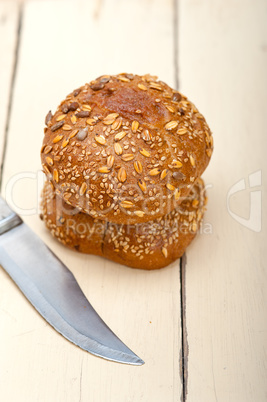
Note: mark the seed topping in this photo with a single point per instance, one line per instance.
(182, 131)
(120, 136)
(48, 117)
(122, 176)
(171, 125)
(57, 125)
(142, 86)
(139, 213)
(164, 252)
(163, 174)
(110, 118)
(100, 139)
(142, 185)
(144, 152)
(176, 164)
(127, 204)
(60, 117)
(55, 175)
(110, 161)
(138, 167)
(86, 108)
(82, 134)
(170, 187)
(47, 149)
(127, 157)
(66, 127)
(97, 86)
(83, 113)
(117, 148)
(83, 188)
(154, 172)
(91, 122)
(177, 194)
(104, 169)
(49, 161)
(192, 160)
(57, 138)
(146, 135)
(135, 126)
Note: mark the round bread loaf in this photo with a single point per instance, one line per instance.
(148, 245)
(125, 148)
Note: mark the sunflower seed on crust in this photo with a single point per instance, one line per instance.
(82, 134)
(57, 125)
(83, 113)
(48, 117)
(97, 86)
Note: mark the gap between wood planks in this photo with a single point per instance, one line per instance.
(184, 342)
(11, 92)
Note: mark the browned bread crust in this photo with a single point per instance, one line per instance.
(149, 245)
(125, 149)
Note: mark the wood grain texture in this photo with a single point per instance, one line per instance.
(9, 14)
(62, 47)
(223, 62)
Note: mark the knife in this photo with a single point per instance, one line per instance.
(53, 290)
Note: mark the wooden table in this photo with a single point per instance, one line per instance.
(201, 323)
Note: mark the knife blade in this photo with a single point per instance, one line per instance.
(53, 290)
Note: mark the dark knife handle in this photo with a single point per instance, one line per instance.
(8, 218)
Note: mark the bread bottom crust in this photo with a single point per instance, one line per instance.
(150, 245)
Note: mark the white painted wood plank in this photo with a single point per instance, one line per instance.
(223, 63)
(8, 35)
(62, 47)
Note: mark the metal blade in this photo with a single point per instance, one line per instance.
(52, 289)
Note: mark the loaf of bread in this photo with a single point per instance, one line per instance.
(149, 245)
(125, 149)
